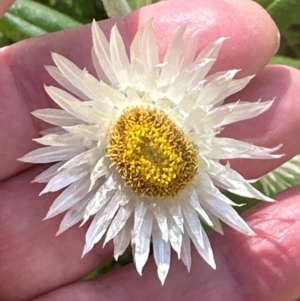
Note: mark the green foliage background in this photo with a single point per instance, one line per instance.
(29, 18)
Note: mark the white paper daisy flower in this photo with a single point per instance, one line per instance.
(137, 149)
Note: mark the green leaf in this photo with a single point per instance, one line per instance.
(42, 16)
(80, 10)
(287, 175)
(264, 3)
(132, 4)
(124, 259)
(285, 12)
(282, 60)
(16, 29)
(4, 41)
(135, 4)
(116, 8)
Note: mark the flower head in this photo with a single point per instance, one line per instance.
(137, 149)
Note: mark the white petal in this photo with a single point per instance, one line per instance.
(88, 156)
(199, 69)
(189, 48)
(142, 242)
(100, 73)
(227, 148)
(147, 100)
(192, 220)
(73, 215)
(198, 235)
(172, 59)
(100, 169)
(246, 110)
(123, 238)
(56, 117)
(111, 208)
(50, 172)
(211, 94)
(206, 189)
(137, 64)
(202, 64)
(100, 199)
(53, 130)
(194, 120)
(217, 226)
(69, 197)
(185, 253)
(52, 154)
(188, 80)
(64, 140)
(161, 219)
(162, 253)
(64, 82)
(72, 73)
(212, 49)
(94, 85)
(119, 58)
(234, 112)
(235, 85)
(175, 236)
(149, 49)
(150, 85)
(65, 178)
(91, 132)
(101, 47)
(228, 215)
(114, 96)
(101, 222)
(232, 181)
(139, 213)
(144, 52)
(133, 95)
(194, 202)
(74, 106)
(176, 213)
(119, 220)
(91, 236)
(164, 104)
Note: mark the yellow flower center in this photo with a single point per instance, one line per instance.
(151, 153)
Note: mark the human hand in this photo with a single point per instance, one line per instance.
(36, 264)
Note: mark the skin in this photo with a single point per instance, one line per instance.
(36, 265)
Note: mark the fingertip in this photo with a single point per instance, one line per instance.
(253, 35)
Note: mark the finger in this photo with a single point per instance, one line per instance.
(255, 38)
(252, 42)
(279, 125)
(5, 5)
(265, 267)
(32, 259)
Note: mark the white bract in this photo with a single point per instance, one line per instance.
(137, 149)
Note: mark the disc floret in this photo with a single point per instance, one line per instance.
(151, 153)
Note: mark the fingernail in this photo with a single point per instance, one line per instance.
(278, 43)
